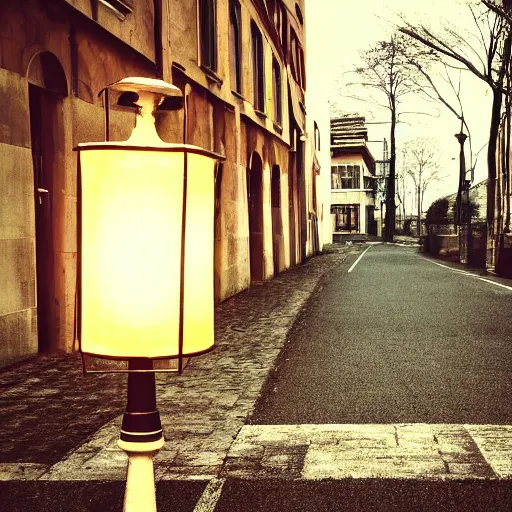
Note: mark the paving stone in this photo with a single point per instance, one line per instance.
(332, 463)
(462, 470)
(21, 471)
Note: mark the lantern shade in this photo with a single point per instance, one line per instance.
(135, 289)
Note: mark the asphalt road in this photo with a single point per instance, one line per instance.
(268, 496)
(399, 339)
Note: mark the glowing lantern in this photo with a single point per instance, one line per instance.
(146, 239)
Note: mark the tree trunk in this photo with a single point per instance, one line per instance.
(418, 221)
(507, 166)
(508, 113)
(390, 190)
(491, 181)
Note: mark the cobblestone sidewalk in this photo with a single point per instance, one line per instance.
(59, 425)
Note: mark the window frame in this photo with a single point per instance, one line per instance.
(235, 46)
(279, 19)
(317, 136)
(207, 32)
(340, 175)
(277, 91)
(350, 213)
(258, 68)
(121, 8)
(297, 59)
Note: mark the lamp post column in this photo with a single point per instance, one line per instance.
(141, 437)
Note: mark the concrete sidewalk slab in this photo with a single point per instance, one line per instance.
(408, 451)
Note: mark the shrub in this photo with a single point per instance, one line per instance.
(437, 213)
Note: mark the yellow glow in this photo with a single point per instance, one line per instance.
(131, 244)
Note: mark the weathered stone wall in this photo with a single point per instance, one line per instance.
(136, 30)
(18, 321)
(40, 53)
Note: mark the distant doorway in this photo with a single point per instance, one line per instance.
(255, 202)
(46, 91)
(41, 105)
(277, 222)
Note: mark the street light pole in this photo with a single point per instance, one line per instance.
(146, 265)
(461, 137)
(461, 204)
(141, 436)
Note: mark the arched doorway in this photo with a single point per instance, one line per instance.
(47, 88)
(255, 203)
(277, 222)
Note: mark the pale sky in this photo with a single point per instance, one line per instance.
(339, 29)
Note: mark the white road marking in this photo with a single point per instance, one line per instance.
(469, 274)
(358, 259)
(497, 284)
(211, 495)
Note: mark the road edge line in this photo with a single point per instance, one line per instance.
(468, 274)
(359, 259)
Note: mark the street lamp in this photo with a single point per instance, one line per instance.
(146, 211)
(461, 138)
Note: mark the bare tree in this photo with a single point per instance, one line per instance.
(432, 90)
(387, 72)
(486, 54)
(423, 168)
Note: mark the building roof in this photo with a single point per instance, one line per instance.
(348, 131)
(349, 136)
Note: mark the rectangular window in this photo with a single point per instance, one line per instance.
(345, 177)
(120, 7)
(294, 54)
(208, 34)
(370, 183)
(277, 92)
(347, 217)
(235, 46)
(258, 77)
(280, 22)
(317, 137)
(335, 178)
(297, 60)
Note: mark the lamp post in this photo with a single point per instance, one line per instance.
(146, 217)
(461, 204)
(461, 137)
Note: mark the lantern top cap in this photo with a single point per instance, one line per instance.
(140, 84)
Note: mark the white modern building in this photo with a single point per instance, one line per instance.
(353, 180)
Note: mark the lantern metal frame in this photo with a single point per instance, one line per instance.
(140, 364)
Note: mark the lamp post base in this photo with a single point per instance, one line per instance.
(140, 493)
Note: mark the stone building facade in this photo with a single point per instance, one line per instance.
(241, 62)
